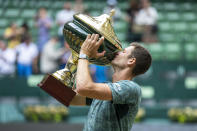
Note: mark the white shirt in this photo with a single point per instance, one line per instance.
(7, 61)
(26, 53)
(64, 16)
(49, 57)
(147, 16)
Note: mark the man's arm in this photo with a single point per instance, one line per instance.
(85, 85)
(78, 100)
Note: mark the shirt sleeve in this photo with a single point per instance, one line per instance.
(125, 92)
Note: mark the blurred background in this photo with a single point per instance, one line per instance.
(32, 45)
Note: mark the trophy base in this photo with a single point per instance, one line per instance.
(57, 89)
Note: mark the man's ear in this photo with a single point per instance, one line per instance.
(131, 61)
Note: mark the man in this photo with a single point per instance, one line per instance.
(27, 54)
(146, 20)
(7, 60)
(115, 105)
(63, 16)
(50, 55)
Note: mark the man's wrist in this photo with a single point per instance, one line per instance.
(83, 56)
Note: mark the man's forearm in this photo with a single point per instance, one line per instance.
(83, 74)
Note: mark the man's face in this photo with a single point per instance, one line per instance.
(145, 3)
(67, 6)
(2, 45)
(121, 59)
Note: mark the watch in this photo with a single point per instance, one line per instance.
(83, 56)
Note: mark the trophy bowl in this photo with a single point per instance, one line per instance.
(75, 33)
(61, 83)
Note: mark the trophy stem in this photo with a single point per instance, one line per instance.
(60, 84)
(67, 75)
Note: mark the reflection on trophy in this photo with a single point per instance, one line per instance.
(60, 84)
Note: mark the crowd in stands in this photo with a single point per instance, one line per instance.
(143, 22)
(21, 56)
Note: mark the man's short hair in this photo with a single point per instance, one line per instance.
(143, 59)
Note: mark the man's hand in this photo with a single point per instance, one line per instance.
(91, 45)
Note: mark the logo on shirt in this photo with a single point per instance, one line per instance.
(118, 88)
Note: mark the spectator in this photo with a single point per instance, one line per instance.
(24, 30)
(130, 17)
(44, 23)
(111, 4)
(27, 54)
(146, 19)
(12, 35)
(50, 56)
(79, 7)
(62, 17)
(7, 60)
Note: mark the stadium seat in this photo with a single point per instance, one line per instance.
(28, 13)
(19, 22)
(167, 37)
(4, 23)
(12, 13)
(184, 37)
(52, 13)
(156, 50)
(31, 23)
(120, 26)
(194, 38)
(1, 2)
(23, 4)
(1, 33)
(162, 16)
(189, 16)
(190, 51)
(170, 6)
(58, 4)
(123, 5)
(187, 6)
(5, 3)
(172, 51)
(32, 4)
(158, 5)
(193, 27)
(94, 6)
(1, 12)
(54, 30)
(95, 13)
(34, 33)
(173, 16)
(45, 4)
(180, 27)
(99, 6)
(16, 3)
(165, 27)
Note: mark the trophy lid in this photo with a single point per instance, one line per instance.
(102, 25)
